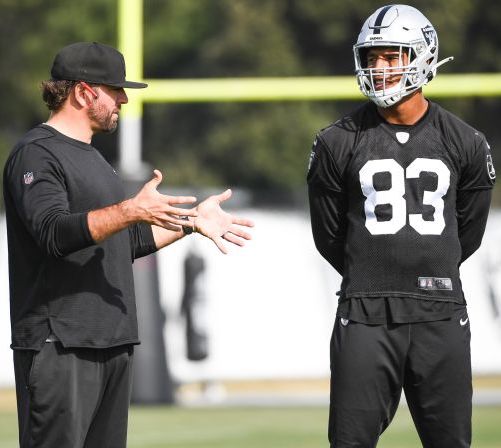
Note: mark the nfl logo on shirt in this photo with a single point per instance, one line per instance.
(28, 178)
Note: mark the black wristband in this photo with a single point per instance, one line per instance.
(187, 230)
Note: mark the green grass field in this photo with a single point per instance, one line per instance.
(284, 427)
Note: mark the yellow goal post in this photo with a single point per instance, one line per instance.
(314, 88)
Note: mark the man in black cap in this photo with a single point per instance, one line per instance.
(72, 238)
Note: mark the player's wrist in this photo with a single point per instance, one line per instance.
(130, 213)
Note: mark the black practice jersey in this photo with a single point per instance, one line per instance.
(396, 209)
(60, 280)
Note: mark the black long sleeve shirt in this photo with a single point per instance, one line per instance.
(396, 209)
(60, 280)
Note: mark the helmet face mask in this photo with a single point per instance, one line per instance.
(405, 30)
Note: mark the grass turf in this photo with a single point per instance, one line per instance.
(284, 427)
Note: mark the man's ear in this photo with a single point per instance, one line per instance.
(81, 96)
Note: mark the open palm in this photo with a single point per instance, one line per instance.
(214, 223)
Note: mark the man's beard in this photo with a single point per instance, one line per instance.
(102, 119)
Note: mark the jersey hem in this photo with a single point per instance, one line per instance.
(70, 345)
(382, 295)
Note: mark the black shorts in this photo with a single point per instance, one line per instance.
(371, 364)
(73, 398)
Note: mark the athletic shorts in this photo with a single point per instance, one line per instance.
(372, 364)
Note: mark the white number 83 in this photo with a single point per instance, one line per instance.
(394, 196)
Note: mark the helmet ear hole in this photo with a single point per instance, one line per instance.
(412, 55)
(362, 54)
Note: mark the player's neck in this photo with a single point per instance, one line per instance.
(72, 124)
(408, 111)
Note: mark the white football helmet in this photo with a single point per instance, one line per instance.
(410, 32)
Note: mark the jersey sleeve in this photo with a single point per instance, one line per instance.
(472, 209)
(322, 170)
(328, 204)
(477, 171)
(474, 195)
(36, 183)
(142, 242)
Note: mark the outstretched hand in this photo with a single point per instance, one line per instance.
(158, 209)
(214, 223)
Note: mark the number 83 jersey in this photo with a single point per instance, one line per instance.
(389, 203)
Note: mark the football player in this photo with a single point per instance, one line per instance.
(399, 195)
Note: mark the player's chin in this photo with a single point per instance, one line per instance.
(111, 125)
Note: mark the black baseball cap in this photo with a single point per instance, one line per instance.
(92, 62)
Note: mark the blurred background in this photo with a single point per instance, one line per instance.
(250, 329)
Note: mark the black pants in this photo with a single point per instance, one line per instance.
(371, 364)
(73, 398)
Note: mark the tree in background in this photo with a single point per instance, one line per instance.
(32, 32)
(262, 146)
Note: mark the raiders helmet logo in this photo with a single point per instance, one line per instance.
(429, 34)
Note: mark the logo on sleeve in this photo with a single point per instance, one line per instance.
(312, 158)
(490, 168)
(312, 154)
(28, 177)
